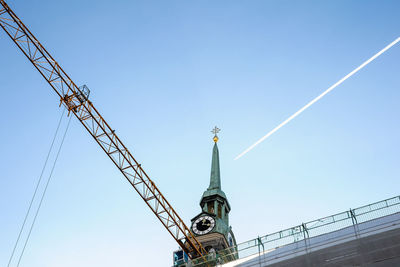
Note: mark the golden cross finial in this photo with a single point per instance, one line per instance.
(215, 131)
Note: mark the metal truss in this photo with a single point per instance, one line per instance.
(77, 102)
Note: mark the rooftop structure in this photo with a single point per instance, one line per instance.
(368, 235)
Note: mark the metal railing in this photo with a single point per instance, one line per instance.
(305, 231)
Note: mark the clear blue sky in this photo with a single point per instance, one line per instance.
(163, 74)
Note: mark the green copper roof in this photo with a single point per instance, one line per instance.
(215, 177)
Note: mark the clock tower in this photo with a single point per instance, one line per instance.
(211, 226)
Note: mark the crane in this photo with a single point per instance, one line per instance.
(76, 101)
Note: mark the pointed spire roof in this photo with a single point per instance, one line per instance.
(214, 188)
(215, 177)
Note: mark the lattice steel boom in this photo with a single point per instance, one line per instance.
(76, 101)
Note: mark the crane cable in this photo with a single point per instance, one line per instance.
(37, 187)
(44, 192)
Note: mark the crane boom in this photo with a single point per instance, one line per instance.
(75, 99)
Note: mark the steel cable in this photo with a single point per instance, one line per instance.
(44, 192)
(36, 189)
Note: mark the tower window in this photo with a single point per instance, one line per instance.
(219, 211)
(210, 206)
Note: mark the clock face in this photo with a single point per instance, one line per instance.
(203, 225)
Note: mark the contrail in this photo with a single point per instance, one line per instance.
(319, 97)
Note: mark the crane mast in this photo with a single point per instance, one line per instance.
(75, 99)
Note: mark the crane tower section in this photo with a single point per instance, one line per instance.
(75, 99)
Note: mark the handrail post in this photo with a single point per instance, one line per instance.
(306, 236)
(259, 243)
(354, 221)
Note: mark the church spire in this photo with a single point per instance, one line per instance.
(214, 189)
(215, 177)
(212, 224)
